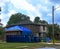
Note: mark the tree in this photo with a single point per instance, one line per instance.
(44, 22)
(17, 18)
(1, 28)
(0, 8)
(56, 29)
(37, 19)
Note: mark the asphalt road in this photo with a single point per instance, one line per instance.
(55, 47)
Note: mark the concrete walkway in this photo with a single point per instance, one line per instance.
(57, 47)
(54, 43)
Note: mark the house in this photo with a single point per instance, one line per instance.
(26, 31)
(38, 30)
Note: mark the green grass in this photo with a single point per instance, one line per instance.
(56, 41)
(4, 45)
(23, 45)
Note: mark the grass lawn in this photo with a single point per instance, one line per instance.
(56, 41)
(22, 45)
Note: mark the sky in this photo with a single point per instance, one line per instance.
(31, 8)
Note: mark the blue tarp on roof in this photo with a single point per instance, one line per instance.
(24, 30)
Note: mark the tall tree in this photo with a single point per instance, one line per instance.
(37, 19)
(0, 9)
(17, 18)
(44, 22)
(1, 28)
(56, 29)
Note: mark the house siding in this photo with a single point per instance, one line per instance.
(37, 29)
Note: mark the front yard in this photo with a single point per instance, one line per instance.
(24, 45)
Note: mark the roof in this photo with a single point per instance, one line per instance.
(14, 28)
(26, 23)
(24, 30)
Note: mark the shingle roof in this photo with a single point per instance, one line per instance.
(25, 23)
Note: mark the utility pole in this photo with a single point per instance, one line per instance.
(0, 13)
(53, 22)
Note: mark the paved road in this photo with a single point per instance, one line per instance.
(57, 47)
(53, 47)
(46, 48)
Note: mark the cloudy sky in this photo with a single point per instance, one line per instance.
(32, 8)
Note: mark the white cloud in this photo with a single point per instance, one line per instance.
(2, 19)
(57, 9)
(7, 16)
(49, 14)
(1, 16)
(1, 4)
(24, 5)
(46, 2)
(42, 7)
(11, 12)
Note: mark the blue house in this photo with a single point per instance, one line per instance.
(19, 34)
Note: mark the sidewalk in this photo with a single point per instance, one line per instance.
(54, 43)
(57, 46)
(50, 43)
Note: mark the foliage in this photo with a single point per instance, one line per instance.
(37, 19)
(44, 22)
(17, 18)
(56, 29)
(0, 8)
(1, 30)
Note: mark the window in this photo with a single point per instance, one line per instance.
(43, 27)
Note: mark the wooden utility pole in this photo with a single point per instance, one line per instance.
(53, 22)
